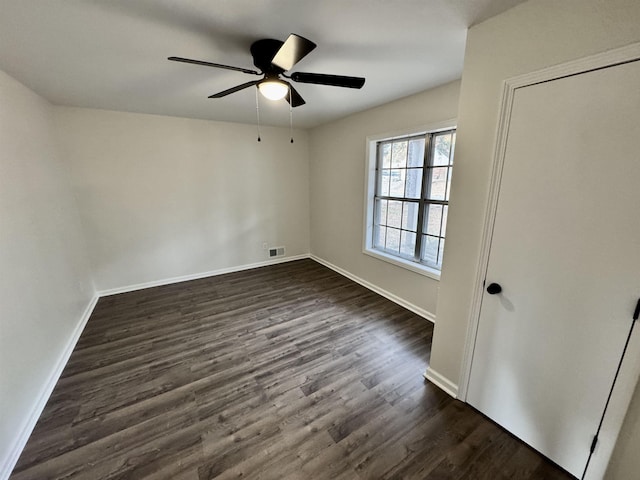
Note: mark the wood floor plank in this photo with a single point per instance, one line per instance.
(283, 372)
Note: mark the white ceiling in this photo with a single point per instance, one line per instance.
(112, 54)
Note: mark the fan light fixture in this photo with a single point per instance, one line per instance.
(272, 59)
(273, 89)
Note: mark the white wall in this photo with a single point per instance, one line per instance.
(526, 38)
(164, 197)
(337, 155)
(45, 285)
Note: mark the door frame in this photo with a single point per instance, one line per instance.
(630, 370)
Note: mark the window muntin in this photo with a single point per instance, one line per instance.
(412, 188)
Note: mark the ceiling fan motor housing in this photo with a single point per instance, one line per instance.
(263, 52)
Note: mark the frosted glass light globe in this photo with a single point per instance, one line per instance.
(273, 89)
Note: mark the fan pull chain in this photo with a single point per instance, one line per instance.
(258, 113)
(290, 114)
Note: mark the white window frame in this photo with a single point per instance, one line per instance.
(369, 189)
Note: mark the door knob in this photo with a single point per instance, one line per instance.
(494, 288)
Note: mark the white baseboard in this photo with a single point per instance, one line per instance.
(196, 276)
(388, 295)
(45, 393)
(442, 382)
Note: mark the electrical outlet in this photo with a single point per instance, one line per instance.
(265, 246)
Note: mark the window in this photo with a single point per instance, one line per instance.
(409, 197)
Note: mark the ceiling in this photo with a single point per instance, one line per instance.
(112, 54)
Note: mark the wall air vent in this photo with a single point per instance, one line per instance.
(276, 252)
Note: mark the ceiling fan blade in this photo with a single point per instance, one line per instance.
(294, 49)
(293, 97)
(322, 79)
(209, 64)
(229, 91)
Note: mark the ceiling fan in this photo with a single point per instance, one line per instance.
(273, 58)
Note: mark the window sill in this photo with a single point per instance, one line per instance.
(406, 264)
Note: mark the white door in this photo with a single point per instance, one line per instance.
(566, 251)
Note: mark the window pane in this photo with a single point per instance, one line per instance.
(448, 184)
(453, 148)
(441, 149)
(440, 252)
(393, 240)
(438, 183)
(410, 216)
(445, 214)
(380, 212)
(407, 244)
(386, 155)
(394, 214)
(414, 183)
(397, 182)
(383, 185)
(399, 154)
(430, 250)
(416, 153)
(433, 220)
(379, 235)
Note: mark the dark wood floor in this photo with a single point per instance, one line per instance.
(283, 372)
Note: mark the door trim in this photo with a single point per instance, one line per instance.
(630, 370)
